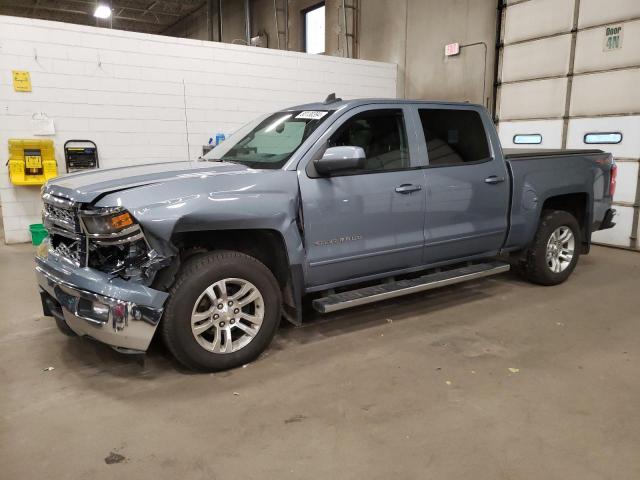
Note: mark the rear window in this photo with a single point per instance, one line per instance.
(602, 137)
(454, 137)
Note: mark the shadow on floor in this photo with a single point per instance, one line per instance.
(100, 359)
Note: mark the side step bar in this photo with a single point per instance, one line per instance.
(377, 293)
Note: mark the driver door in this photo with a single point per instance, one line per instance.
(369, 221)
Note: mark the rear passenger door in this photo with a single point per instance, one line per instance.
(467, 185)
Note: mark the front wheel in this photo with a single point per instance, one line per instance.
(223, 311)
(555, 249)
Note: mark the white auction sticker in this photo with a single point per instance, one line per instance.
(311, 115)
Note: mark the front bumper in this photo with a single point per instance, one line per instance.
(129, 313)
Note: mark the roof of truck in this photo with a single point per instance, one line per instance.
(339, 103)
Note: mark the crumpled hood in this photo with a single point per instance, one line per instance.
(85, 187)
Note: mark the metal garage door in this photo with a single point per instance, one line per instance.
(570, 74)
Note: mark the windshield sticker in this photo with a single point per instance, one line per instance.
(311, 115)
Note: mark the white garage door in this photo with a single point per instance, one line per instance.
(569, 78)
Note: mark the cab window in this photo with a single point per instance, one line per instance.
(381, 134)
(454, 137)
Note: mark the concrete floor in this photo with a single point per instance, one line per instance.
(415, 388)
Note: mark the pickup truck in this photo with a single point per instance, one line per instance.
(343, 203)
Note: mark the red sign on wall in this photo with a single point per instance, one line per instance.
(451, 49)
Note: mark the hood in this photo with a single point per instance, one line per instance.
(86, 187)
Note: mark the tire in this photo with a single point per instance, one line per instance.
(197, 294)
(64, 328)
(56, 312)
(548, 270)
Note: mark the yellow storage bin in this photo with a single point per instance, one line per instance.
(31, 161)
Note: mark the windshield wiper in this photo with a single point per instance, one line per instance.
(229, 160)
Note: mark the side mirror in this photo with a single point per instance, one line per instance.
(337, 159)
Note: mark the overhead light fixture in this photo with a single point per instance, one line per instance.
(102, 11)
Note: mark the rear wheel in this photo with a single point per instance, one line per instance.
(223, 311)
(555, 250)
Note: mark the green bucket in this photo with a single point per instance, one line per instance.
(38, 233)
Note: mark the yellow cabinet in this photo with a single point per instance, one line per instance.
(31, 161)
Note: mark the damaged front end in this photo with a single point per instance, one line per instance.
(95, 272)
(106, 239)
(117, 245)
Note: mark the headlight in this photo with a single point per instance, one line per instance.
(107, 221)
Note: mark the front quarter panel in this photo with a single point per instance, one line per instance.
(247, 199)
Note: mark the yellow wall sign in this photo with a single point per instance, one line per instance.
(21, 81)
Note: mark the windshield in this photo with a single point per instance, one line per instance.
(268, 142)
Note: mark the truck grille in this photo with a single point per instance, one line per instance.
(67, 240)
(64, 218)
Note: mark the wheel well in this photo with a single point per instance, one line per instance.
(574, 203)
(265, 245)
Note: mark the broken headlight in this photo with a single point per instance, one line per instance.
(116, 243)
(107, 221)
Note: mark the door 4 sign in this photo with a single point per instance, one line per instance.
(612, 37)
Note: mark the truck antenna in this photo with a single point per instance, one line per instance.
(331, 98)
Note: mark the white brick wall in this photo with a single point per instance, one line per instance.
(124, 91)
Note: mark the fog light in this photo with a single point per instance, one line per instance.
(93, 311)
(100, 311)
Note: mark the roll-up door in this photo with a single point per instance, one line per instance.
(568, 78)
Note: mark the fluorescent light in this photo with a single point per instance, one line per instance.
(102, 11)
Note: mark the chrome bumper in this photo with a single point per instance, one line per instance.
(133, 311)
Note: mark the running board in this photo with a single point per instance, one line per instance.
(377, 293)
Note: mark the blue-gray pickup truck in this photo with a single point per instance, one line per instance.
(341, 202)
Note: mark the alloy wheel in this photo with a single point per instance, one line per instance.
(227, 315)
(560, 248)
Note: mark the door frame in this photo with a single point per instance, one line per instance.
(495, 157)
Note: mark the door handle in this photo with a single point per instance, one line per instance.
(493, 179)
(408, 188)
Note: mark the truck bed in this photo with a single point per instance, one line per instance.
(538, 174)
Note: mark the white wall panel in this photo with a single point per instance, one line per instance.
(606, 93)
(533, 99)
(124, 90)
(628, 148)
(597, 12)
(620, 235)
(627, 182)
(629, 126)
(537, 18)
(551, 131)
(590, 54)
(539, 58)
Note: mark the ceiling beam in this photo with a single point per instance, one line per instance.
(171, 25)
(141, 10)
(89, 15)
(125, 13)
